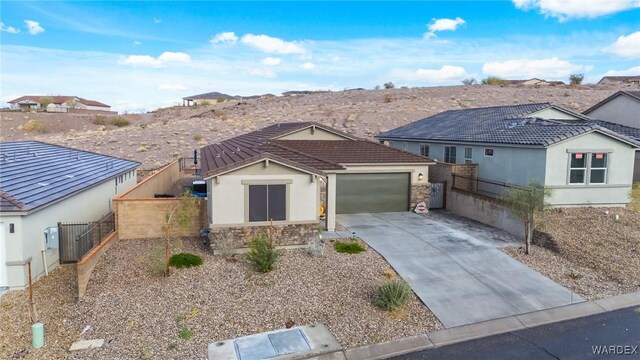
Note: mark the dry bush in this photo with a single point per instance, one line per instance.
(35, 125)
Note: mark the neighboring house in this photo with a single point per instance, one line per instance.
(634, 79)
(623, 107)
(284, 173)
(57, 103)
(206, 98)
(533, 82)
(43, 184)
(583, 161)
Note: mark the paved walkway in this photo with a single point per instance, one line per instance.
(455, 268)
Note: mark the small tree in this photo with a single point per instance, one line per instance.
(469, 81)
(44, 101)
(178, 220)
(389, 85)
(524, 203)
(71, 103)
(576, 79)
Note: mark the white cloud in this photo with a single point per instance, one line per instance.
(9, 29)
(141, 61)
(628, 72)
(308, 66)
(564, 9)
(262, 72)
(272, 61)
(551, 68)
(171, 87)
(270, 44)
(442, 25)
(626, 46)
(445, 75)
(228, 37)
(33, 27)
(174, 57)
(137, 43)
(157, 21)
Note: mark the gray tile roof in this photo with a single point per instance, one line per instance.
(33, 174)
(494, 125)
(630, 93)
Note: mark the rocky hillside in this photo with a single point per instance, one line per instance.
(155, 138)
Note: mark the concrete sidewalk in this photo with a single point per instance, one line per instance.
(455, 268)
(479, 330)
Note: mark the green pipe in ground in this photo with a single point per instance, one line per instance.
(37, 334)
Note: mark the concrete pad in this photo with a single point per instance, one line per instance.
(487, 261)
(86, 344)
(449, 243)
(474, 331)
(404, 245)
(462, 300)
(388, 349)
(559, 314)
(434, 266)
(620, 301)
(338, 355)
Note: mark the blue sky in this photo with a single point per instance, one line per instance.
(138, 56)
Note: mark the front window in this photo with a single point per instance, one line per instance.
(267, 202)
(450, 154)
(588, 168)
(488, 152)
(424, 150)
(468, 155)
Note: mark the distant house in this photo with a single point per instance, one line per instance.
(206, 98)
(633, 79)
(281, 175)
(533, 82)
(585, 162)
(42, 185)
(57, 103)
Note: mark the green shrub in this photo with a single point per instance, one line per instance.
(263, 254)
(392, 295)
(185, 260)
(350, 247)
(186, 334)
(493, 80)
(120, 121)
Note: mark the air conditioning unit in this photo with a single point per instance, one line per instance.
(51, 238)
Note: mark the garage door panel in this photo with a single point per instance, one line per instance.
(357, 193)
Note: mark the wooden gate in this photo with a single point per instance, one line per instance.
(437, 197)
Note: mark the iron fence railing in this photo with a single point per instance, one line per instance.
(76, 240)
(494, 189)
(190, 163)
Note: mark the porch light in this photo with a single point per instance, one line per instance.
(420, 177)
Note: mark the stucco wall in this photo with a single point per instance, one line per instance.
(309, 134)
(621, 158)
(552, 114)
(158, 183)
(228, 198)
(144, 218)
(28, 239)
(621, 109)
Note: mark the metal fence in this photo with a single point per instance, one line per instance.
(494, 189)
(189, 163)
(76, 240)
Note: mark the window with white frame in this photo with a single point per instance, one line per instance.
(468, 155)
(450, 154)
(588, 168)
(424, 149)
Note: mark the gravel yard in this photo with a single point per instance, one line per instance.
(589, 252)
(141, 315)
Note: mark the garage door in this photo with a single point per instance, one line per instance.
(358, 193)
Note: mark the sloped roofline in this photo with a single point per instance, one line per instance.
(313, 124)
(259, 158)
(611, 97)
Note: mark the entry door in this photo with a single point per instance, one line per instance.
(4, 277)
(372, 193)
(436, 198)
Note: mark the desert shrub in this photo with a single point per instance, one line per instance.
(315, 247)
(388, 98)
(576, 79)
(143, 125)
(493, 80)
(224, 246)
(186, 334)
(392, 295)
(156, 261)
(219, 100)
(45, 100)
(120, 121)
(197, 137)
(352, 246)
(185, 260)
(469, 81)
(203, 103)
(634, 194)
(100, 120)
(35, 125)
(263, 254)
(389, 85)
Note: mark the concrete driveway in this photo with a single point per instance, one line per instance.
(454, 266)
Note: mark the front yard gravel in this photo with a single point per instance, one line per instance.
(140, 315)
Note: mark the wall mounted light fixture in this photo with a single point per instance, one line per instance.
(420, 176)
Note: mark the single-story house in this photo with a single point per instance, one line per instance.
(59, 103)
(583, 161)
(633, 79)
(42, 185)
(533, 82)
(285, 173)
(206, 98)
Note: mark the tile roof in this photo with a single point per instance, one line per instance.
(632, 94)
(34, 174)
(315, 156)
(626, 131)
(58, 100)
(495, 125)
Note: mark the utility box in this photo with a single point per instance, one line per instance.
(51, 238)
